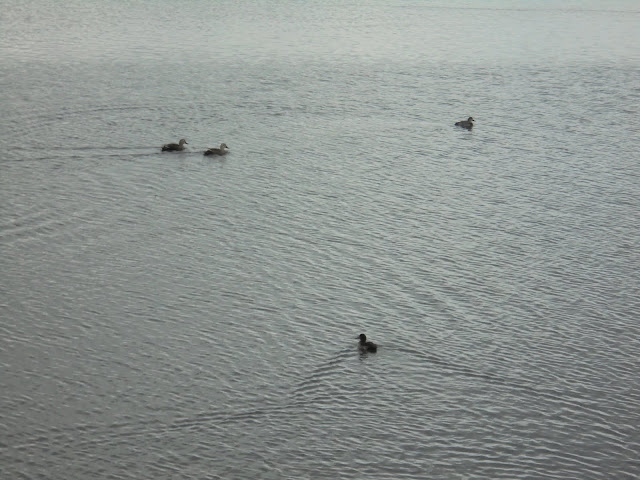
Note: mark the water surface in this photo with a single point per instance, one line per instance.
(181, 316)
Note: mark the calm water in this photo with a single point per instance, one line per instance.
(179, 316)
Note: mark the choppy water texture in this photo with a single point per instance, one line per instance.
(180, 316)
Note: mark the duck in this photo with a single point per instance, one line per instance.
(365, 346)
(174, 147)
(217, 151)
(468, 123)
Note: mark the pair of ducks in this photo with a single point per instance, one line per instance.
(179, 147)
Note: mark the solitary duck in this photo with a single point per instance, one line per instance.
(468, 123)
(218, 151)
(365, 346)
(174, 147)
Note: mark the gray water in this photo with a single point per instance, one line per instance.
(180, 316)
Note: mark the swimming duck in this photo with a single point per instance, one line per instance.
(217, 151)
(468, 123)
(365, 346)
(174, 147)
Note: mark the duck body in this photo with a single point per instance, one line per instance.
(174, 147)
(217, 151)
(468, 123)
(365, 346)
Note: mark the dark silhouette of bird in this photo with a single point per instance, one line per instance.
(468, 123)
(217, 151)
(174, 147)
(365, 346)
